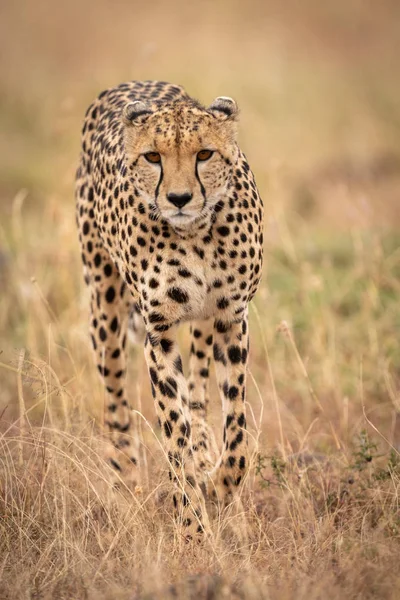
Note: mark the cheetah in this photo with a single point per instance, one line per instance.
(171, 230)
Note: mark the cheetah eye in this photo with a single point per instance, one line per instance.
(204, 154)
(153, 157)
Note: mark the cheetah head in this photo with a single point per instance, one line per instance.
(181, 156)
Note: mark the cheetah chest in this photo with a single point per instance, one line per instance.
(193, 285)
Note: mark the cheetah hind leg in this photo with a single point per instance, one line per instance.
(122, 451)
(110, 309)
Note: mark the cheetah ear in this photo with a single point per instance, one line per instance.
(136, 113)
(224, 108)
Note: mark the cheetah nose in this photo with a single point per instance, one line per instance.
(179, 200)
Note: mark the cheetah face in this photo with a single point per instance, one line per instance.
(181, 156)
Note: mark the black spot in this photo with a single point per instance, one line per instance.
(107, 270)
(173, 415)
(178, 295)
(153, 283)
(153, 375)
(167, 429)
(238, 439)
(229, 420)
(173, 262)
(166, 345)
(242, 420)
(223, 303)
(199, 251)
(233, 392)
(185, 429)
(224, 231)
(222, 327)
(114, 324)
(184, 273)
(97, 260)
(110, 294)
(171, 387)
(156, 317)
(234, 354)
(218, 354)
(115, 465)
(178, 364)
(102, 334)
(103, 370)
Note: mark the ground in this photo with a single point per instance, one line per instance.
(320, 118)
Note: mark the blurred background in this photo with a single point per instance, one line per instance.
(319, 90)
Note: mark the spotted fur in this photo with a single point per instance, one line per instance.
(167, 237)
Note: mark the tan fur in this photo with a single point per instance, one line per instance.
(171, 263)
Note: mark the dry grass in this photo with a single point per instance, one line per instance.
(320, 125)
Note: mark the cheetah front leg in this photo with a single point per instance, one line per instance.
(171, 396)
(204, 446)
(230, 355)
